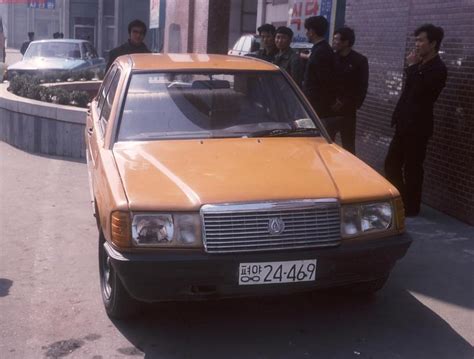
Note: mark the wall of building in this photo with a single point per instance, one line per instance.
(177, 26)
(218, 27)
(384, 34)
(242, 19)
(201, 26)
(197, 26)
(19, 20)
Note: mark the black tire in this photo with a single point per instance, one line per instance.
(117, 302)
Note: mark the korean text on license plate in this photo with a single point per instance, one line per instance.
(277, 272)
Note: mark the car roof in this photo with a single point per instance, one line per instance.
(194, 61)
(74, 41)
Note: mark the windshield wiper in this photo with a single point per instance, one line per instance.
(276, 132)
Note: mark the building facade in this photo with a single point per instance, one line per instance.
(102, 22)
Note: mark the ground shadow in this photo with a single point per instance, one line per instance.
(442, 256)
(392, 325)
(5, 285)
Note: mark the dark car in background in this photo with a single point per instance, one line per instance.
(46, 57)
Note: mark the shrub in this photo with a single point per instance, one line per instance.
(79, 98)
(30, 87)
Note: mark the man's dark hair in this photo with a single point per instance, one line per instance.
(266, 28)
(347, 34)
(433, 33)
(136, 23)
(318, 24)
(285, 31)
(56, 35)
(31, 34)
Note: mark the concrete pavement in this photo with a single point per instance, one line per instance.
(50, 301)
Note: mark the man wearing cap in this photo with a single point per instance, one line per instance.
(286, 58)
(24, 46)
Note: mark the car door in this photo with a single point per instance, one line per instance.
(96, 125)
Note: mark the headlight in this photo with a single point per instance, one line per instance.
(362, 218)
(166, 230)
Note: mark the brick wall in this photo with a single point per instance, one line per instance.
(384, 34)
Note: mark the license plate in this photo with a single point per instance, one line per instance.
(277, 272)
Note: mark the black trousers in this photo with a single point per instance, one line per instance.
(404, 168)
(346, 126)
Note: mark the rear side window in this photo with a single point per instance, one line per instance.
(105, 87)
(109, 99)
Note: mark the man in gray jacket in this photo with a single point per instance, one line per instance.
(286, 58)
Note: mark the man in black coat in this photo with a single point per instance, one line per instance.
(24, 46)
(318, 81)
(134, 45)
(352, 80)
(413, 116)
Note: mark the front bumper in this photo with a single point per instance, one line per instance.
(187, 275)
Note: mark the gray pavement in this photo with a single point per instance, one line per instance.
(50, 301)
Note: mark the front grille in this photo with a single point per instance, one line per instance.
(234, 228)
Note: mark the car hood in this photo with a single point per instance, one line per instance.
(47, 63)
(183, 175)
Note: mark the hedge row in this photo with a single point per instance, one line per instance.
(32, 87)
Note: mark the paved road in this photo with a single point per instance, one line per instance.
(50, 302)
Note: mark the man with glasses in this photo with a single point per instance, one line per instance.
(134, 45)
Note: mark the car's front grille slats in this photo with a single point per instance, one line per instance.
(246, 228)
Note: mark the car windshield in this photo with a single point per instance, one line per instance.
(208, 105)
(54, 49)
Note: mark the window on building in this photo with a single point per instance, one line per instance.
(249, 16)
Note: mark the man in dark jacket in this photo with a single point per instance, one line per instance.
(286, 58)
(413, 116)
(352, 80)
(134, 45)
(24, 46)
(318, 83)
(268, 48)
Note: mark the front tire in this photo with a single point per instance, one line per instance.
(117, 302)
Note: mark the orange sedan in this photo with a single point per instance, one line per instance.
(211, 176)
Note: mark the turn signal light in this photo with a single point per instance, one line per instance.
(120, 229)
